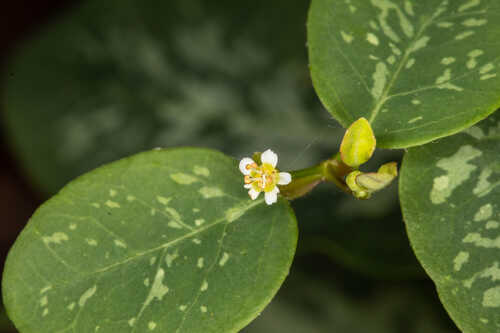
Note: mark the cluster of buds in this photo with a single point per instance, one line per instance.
(363, 184)
(357, 147)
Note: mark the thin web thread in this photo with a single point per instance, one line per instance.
(317, 139)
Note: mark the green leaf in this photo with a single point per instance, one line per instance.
(450, 196)
(103, 82)
(165, 241)
(417, 70)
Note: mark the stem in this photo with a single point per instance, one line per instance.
(336, 172)
(303, 181)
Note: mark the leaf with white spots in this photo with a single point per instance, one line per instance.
(450, 197)
(209, 259)
(417, 70)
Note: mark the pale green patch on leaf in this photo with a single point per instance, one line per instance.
(56, 238)
(163, 200)
(142, 274)
(201, 171)
(412, 68)
(112, 204)
(211, 192)
(183, 178)
(461, 258)
(450, 197)
(458, 170)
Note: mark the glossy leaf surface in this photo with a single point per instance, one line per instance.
(450, 196)
(165, 241)
(417, 70)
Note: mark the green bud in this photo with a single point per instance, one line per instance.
(358, 191)
(358, 143)
(351, 181)
(363, 184)
(390, 168)
(362, 195)
(374, 181)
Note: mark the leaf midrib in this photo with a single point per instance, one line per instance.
(375, 111)
(157, 248)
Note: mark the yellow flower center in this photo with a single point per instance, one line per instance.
(262, 178)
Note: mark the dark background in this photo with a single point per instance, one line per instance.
(18, 198)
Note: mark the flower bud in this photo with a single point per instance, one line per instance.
(358, 143)
(363, 184)
(358, 191)
(374, 181)
(390, 168)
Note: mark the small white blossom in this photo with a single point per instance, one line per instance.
(264, 177)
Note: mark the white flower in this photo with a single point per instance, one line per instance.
(264, 177)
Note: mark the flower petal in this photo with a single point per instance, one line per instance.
(243, 165)
(247, 186)
(253, 194)
(271, 197)
(269, 157)
(285, 178)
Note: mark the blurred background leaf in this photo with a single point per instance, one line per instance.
(109, 80)
(318, 302)
(106, 80)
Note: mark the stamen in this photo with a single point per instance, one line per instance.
(262, 178)
(251, 166)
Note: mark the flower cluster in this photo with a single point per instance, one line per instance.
(264, 177)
